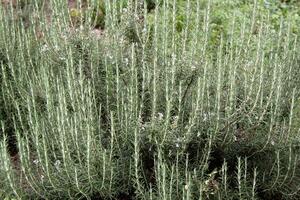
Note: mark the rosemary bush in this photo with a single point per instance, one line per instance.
(165, 101)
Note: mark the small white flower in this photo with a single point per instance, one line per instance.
(36, 161)
(272, 142)
(206, 182)
(62, 58)
(126, 61)
(160, 116)
(173, 55)
(186, 187)
(205, 117)
(57, 165)
(42, 177)
(122, 40)
(234, 138)
(193, 68)
(178, 141)
(44, 48)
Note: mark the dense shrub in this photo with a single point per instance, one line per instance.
(150, 100)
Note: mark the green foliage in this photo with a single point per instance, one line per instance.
(184, 101)
(296, 118)
(98, 14)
